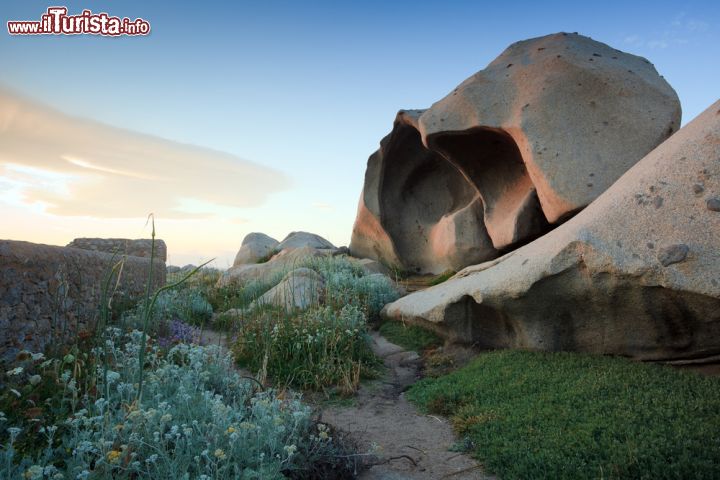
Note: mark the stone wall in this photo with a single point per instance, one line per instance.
(122, 246)
(48, 294)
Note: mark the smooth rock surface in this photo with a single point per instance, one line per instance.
(298, 290)
(513, 151)
(417, 212)
(304, 239)
(625, 276)
(272, 270)
(255, 246)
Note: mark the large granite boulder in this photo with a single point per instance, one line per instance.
(636, 273)
(514, 150)
(298, 290)
(272, 270)
(417, 211)
(255, 246)
(304, 239)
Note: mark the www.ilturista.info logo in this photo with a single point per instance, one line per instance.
(57, 22)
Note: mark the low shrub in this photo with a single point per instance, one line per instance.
(318, 349)
(567, 416)
(196, 418)
(325, 347)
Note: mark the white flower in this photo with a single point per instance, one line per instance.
(290, 449)
(35, 379)
(15, 371)
(112, 377)
(34, 473)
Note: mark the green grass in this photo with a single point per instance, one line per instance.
(410, 337)
(566, 416)
(442, 278)
(321, 349)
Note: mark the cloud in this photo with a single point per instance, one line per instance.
(79, 167)
(682, 30)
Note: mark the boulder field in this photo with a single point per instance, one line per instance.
(636, 273)
(512, 152)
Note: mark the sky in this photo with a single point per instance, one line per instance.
(234, 117)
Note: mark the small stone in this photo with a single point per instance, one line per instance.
(658, 201)
(650, 245)
(713, 204)
(673, 254)
(698, 188)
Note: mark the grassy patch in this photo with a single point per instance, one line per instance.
(325, 347)
(317, 350)
(410, 337)
(442, 278)
(565, 416)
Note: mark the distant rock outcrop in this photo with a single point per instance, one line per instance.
(279, 265)
(255, 246)
(636, 273)
(514, 150)
(304, 239)
(298, 290)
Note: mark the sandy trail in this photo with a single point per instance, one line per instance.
(408, 444)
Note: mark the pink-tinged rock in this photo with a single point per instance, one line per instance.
(629, 275)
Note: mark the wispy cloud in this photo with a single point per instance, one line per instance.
(682, 30)
(96, 170)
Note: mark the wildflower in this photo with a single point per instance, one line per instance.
(14, 432)
(290, 449)
(112, 377)
(219, 454)
(15, 371)
(230, 430)
(323, 435)
(35, 379)
(247, 425)
(166, 418)
(113, 456)
(37, 356)
(34, 473)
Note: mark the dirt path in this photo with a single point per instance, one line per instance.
(407, 444)
(411, 445)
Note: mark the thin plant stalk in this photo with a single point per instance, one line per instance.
(149, 304)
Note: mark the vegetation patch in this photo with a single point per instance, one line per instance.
(567, 416)
(319, 349)
(410, 337)
(437, 280)
(325, 347)
(196, 418)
